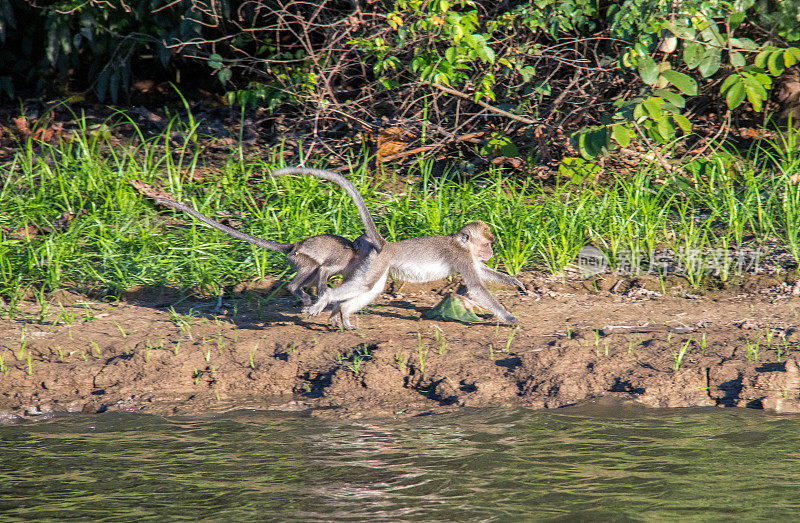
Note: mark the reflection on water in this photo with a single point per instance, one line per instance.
(588, 463)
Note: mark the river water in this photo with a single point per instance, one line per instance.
(585, 463)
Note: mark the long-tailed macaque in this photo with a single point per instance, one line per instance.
(414, 260)
(315, 259)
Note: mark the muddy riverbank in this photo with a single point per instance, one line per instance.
(644, 340)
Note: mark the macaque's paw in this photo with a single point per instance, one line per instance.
(315, 309)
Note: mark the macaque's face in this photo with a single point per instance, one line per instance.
(479, 240)
(483, 245)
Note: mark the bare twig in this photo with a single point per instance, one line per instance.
(726, 126)
(661, 161)
(482, 103)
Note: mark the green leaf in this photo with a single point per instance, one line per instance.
(673, 98)
(7, 86)
(680, 30)
(693, 54)
(789, 59)
(582, 147)
(451, 308)
(475, 41)
(653, 106)
(224, 75)
(683, 123)
(712, 35)
(639, 112)
(486, 54)
(102, 84)
(578, 170)
(593, 142)
(745, 43)
(736, 19)
(622, 134)
(669, 108)
(685, 83)
(763, 79)
(527, 73)
(113, 87)
(665, 129)
(775, 63)
(648, 70)
(457, 31)
(215, 61)
(752, 82)
(737, 59)
(164, 54)
(729, 81)
(735, 94)
(542, 87)
(711, 62)
(761, 59)
(756, 94)
(754, 99)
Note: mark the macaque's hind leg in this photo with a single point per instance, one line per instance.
(344, 292)
(347, 308)
(360, 301)
(323, 275)
(303, 278)
(337, 319)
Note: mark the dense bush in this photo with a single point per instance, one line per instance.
(90, 45)
(524, 73)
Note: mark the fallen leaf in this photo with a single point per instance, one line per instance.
(453, 307)
(22, 126)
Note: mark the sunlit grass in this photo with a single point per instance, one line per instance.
(116, 239)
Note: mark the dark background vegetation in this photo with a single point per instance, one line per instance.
(519, 84)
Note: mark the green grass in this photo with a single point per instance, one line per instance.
(357, 360)
(118, 239)
(677, 357)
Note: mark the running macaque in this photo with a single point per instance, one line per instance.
(414, 260)
(315, 259)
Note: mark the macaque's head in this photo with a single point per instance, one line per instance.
(477, 238)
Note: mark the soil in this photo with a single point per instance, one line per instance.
(643, 340)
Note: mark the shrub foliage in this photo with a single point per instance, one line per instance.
(523, 73)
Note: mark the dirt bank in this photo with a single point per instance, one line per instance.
(636, 339)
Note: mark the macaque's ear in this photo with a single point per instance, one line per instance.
(463, 238)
